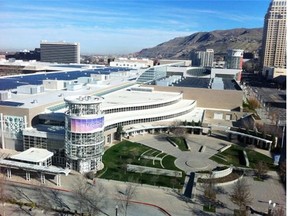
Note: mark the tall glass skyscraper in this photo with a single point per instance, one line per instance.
(274, 35)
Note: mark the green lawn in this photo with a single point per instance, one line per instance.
(233, 156)
(118, 156)
(180, 141)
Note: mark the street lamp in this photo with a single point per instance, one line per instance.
(116, 210)
(271, 206)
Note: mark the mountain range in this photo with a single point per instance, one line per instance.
(220, 40)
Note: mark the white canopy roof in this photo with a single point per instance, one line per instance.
(33, 155)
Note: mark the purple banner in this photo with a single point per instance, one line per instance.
(86, 125)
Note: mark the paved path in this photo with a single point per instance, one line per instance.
(174, 203)
(188, 161)
(261, 193)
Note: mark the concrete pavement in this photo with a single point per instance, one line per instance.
(261, 193)
(188, 161)
(171, 201)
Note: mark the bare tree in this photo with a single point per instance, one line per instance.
(241, 194)
(282, 170)
(23, 200)
(210, 193)
(126, 196)
(43, 199)
(173, 181)
(253, 103)
(89, 198)
(19, 194)
(3, 193)
(279, 212)
(176, 129)
(55, 195)
(261, 169)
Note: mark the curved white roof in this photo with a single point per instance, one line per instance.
(33, 155)
(124, 98)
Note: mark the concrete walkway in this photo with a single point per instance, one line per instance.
(172, 201)
(188, 161)
(261, 192)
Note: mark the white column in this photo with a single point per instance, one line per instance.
(28, 178)
(42, 178)
(9, 173)
(2, 130)
(25, 122)
(111, 138)
(58, 180)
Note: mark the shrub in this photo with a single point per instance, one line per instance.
(90, 175)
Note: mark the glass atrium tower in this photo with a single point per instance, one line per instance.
(84, 133)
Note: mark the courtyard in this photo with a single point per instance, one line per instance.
(173, 201)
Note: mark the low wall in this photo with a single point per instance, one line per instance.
(225, 148)
(219, 174)
(172, 142)
(246, 158)
(222, 173)
(153, 171)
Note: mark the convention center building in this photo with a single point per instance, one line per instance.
(75, 112)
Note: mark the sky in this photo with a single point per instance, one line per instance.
(119, 26)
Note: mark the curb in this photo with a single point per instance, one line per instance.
(149, 204)
(69, 191)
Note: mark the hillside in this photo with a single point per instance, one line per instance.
(219, 40)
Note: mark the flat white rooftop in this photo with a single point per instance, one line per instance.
(54, 96)
(33, 155)
(124, 98)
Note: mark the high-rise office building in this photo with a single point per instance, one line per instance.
(60, 52)
(274, 35)
(234, 59)
(203, 58)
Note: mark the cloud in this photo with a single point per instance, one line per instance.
(92, 40)
(112, 25)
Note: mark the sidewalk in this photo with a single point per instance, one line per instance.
(158, 200)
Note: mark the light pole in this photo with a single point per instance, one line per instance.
(116, 210)
(283, 134)
(271, 206)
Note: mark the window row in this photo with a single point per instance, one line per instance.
(134, 108)
(85, 138)
(81, 152)
(83, 109)
(153, 119)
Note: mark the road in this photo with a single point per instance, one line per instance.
(60, 199)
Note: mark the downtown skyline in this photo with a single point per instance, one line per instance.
(120, 27)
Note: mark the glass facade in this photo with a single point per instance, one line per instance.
(153, 74)
(84, 133)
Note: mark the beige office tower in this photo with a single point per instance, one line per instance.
(274, 35)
